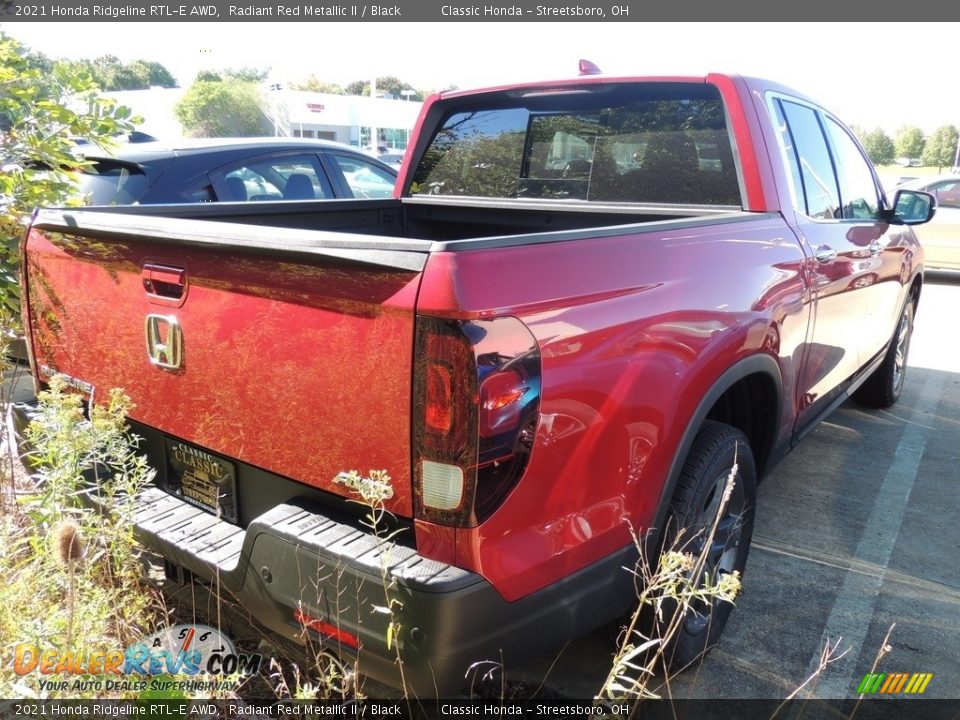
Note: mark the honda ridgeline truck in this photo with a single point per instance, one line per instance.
(586, 300)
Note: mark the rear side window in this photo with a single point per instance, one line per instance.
(643, 142)
(819, 183)
(365, 179)
(858, 192)
(285, 177)
(109, 182)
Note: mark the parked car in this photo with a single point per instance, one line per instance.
(941, 236)
(232, 170)
(393, 159)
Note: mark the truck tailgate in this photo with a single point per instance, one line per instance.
(287, 350)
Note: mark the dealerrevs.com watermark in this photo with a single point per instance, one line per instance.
(182, 659)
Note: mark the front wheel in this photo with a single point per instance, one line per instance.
(697, 507)
(882, 389)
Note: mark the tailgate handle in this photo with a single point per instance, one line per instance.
(164, 281)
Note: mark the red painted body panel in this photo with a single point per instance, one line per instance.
(630, 344)
(272, 375)
(759, 188)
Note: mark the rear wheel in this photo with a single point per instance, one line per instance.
(696, 507)
(882, 389)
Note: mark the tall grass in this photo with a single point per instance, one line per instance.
(677, 584)
(72, 577)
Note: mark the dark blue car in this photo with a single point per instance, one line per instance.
(232, 170)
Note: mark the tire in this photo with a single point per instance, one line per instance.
(882, 389)
(696, 500)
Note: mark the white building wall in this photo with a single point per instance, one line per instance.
(343, 116)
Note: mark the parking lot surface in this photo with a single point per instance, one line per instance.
(857, 531)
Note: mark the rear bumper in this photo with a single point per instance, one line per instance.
(294, 558)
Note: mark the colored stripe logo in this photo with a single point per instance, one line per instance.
(893, 683)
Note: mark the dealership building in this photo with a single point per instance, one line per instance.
(348, 119)
(343, 118)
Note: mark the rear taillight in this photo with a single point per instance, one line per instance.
(501, 402)
(438, 413)
(477, 401)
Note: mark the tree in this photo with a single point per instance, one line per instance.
(909, 142)
(879, 147)
(315, 84)
(208, 76)
(42, 114)
(38, 61)
(388, 84)
(157, 74)
(941, 148)
(228, 108)
(246, 74)
(110, 74)
(131, 77)
(105, 70)
(357, 87)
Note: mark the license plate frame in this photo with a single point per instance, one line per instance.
(204, 480)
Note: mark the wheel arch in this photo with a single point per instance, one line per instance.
(752, 383)
(915, 287)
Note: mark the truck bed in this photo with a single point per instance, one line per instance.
(355, 229)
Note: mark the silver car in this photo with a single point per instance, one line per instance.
(941, 236)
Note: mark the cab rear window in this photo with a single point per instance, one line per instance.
(642, 142)
(110, 182)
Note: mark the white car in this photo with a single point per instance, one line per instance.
(941, 236)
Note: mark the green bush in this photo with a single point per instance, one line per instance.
(43, 113)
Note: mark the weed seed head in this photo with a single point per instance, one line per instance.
(68, 541)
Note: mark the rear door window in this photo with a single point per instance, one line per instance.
(365, 179)
(110, 182)
(858, 191)
(285, 177)
(807, 141)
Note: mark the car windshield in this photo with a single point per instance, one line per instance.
(109, 182)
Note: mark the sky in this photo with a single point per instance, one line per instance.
(870, 74)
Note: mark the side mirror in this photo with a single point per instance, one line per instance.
(911, 207)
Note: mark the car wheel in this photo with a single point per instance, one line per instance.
(696, 504)
(882, 389)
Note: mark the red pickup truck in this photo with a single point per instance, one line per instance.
(585, 299)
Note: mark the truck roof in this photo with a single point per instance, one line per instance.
(754, 83)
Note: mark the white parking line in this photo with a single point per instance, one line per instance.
(918, 586)
(854, 604)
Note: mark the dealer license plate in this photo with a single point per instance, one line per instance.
(202, 479)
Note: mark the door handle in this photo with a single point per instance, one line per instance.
(164, 281)
(825, 254)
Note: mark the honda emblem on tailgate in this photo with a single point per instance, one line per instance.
(164, 341)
